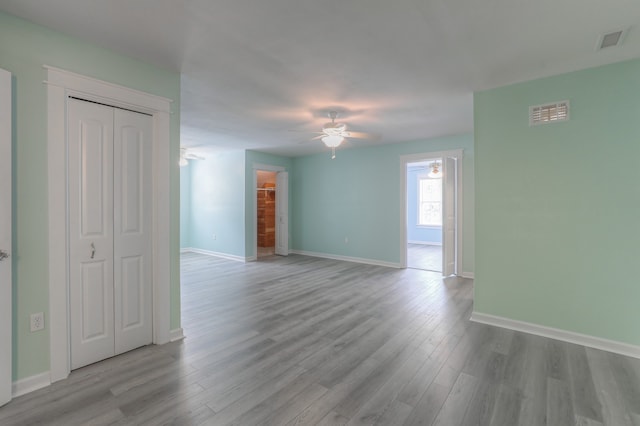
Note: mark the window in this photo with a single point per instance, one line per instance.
(429, 201)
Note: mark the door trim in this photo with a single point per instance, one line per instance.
(425, 156)
(282, 214)
(266, 168)
(6, 288)
(60, 85)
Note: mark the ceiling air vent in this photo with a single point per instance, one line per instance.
(611, 39)
(549, 113)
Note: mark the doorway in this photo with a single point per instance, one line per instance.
(271, 211)
(266, 214)
(424, 215)
(430, 212)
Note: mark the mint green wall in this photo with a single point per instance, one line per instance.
(254, 157)
(357, 196)
(185, 206)
(24, 48)
(221, 201)
(558, 205)
(218, 203)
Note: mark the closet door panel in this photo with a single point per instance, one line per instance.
(90, 148)
(132, 292)
(132, 180)
(95, 301)
(132, 224)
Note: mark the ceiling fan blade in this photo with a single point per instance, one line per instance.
(305, 131)
(312, 139)
(361, 135)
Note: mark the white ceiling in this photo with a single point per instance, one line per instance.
(262, 74)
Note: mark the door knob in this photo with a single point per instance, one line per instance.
(3, 255)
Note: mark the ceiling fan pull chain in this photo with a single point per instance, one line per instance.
(333, 152)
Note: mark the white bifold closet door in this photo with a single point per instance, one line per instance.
(109, 175)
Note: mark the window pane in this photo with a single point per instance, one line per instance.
(430, 202)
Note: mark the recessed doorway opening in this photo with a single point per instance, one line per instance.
(424, 215)
(270, 211)
(430, 211)
(266, 212)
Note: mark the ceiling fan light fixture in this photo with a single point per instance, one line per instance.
(435, 170)
(332, 141)
(334, 128)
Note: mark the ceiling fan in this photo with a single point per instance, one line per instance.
(333, 134)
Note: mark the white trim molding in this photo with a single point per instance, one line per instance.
(217, 254)
(346, 258)
(176, 334)
(558, 334)
(268, 168)
(30, 384)
(469, 275)
(7, 350)
(60, 85)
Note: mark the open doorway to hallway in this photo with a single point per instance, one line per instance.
(424, 215)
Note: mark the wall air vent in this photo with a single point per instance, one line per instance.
(611, 39)
(549, 113)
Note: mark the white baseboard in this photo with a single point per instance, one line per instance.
(185, 249)
(42, 380)
(216, 254)
(176, 334)
(469, 275)
(558, 334)
(30, 384)
(346, 258)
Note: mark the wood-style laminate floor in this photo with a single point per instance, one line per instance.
(266, 251)
(307, 341)
(424, 256)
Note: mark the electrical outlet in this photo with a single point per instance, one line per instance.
(37, 321)
(346, 240)
(215, 236)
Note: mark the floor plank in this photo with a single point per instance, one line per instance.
(424, 256)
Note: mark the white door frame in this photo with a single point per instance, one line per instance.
(60, 85)
(449, 216)
(266, 168)
(416, 158)
(6, 277)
